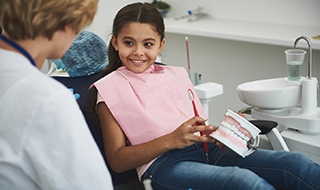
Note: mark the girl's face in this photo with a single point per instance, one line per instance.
(138, 46)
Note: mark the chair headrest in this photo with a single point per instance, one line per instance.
(87, 55)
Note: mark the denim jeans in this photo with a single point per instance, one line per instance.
(264, 169)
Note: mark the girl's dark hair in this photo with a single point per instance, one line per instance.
(145, 13)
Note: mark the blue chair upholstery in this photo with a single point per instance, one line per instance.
(83, 62)
(81, 85)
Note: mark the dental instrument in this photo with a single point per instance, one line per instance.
(188, 56)
(191, 97)
(192, 15)
(197, 75)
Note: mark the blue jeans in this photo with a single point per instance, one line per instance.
(264, 169)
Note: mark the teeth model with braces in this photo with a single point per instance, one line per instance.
(238, 134)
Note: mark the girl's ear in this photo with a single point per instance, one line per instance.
(114, 42)
(162, 43)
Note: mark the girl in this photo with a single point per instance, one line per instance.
(147, 121)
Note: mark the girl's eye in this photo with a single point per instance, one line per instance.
(128, 43)
(148, 44)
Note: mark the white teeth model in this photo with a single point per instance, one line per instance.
(237, 133)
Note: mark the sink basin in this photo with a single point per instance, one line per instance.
(274, 93)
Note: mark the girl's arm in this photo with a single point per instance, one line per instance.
(121, 157)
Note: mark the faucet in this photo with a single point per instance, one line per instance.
(309, 100)
(310, 53)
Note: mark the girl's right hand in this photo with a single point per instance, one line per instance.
(185, 135)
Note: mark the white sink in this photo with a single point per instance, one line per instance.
(274, 93)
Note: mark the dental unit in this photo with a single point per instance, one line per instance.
(292, 104)
(301, 112)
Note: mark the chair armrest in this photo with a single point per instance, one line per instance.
(269, 129)
(264, 125)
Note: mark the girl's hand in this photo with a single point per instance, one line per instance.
(185, 136)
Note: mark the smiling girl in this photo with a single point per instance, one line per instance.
(148, 122)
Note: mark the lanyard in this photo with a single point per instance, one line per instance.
(19, 48)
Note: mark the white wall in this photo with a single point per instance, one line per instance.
(298, 12)
(223, 61)
(230, 63)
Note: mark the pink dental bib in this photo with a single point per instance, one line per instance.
(150, 104)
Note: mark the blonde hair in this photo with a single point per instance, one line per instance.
(27, 19)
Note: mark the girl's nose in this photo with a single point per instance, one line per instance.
(138, 51)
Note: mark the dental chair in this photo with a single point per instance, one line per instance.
(78, 68)
(269, 129)
(129, 179)
(121, 181)
(81, 83)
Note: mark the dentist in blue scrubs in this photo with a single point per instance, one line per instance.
(44, 140)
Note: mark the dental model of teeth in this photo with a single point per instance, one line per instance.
(238, 134)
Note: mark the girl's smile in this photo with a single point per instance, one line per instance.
(138, 46)
(137, 62)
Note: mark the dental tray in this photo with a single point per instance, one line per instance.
(238, 134)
